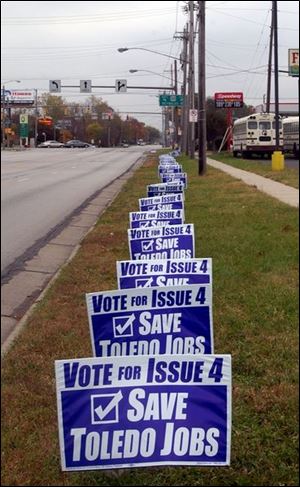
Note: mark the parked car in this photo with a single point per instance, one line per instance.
(77, 143)
(125, 144)
(50, 143)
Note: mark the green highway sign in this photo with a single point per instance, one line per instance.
(23, 129)
(170, 100)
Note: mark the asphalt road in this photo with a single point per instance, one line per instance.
(41, 187)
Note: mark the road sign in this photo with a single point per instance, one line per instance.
(229, 100)
(170, 100)
(121, 85)
(55, 86)
(193, 115)
(294, 62)
(85, 86)
(23, 118)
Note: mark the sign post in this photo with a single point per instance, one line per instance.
(229, 100)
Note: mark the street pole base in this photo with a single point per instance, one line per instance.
(277, 161)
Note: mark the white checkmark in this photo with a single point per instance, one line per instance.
(102, 412)
(148, 245)
(144, 282)
(121, 328)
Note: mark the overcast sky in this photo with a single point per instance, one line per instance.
(77, 40)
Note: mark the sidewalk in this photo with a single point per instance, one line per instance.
(282, 192)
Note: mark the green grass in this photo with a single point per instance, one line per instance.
(263, 167)
(253, 240)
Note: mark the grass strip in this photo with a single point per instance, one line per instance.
(252, 239)
(288, 176)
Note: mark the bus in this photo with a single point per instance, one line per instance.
(255, 134)
(290, 128)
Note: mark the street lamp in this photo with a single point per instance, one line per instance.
(124, 49)
(148, 71)
(4, 107)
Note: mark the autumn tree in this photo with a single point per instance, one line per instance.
(53, 106)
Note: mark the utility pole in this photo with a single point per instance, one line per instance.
(172, 138)
(277, 156)
(270, 66)
(191, 103)
(184, 119)
(175, 108)
(276, 86)
(4, 114)
(184, 108)
(201, 91)
(36, 119)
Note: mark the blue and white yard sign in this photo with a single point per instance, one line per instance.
(144, 411)
(164, 272)
(164, 188)
(166, 159)
(157, 218)
(164, 202)
(172, 177)
(169, 168)
(170, 242)
(157, 320)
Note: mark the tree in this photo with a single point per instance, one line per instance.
(216, 121)
(54, 106)
(152, 134)
(95, 131)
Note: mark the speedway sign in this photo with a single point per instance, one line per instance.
(169, 242)
(150, 321)
(164, 202)
(19, 96)
(142, 219)
(164, 272)
(144, 411)
(229, 100)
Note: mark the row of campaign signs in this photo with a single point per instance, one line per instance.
(154, 392)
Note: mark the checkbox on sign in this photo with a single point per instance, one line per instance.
(123, 326)
(144, 282)
(105, 408)
(147, 245)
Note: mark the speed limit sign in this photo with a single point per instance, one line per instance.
(23, 118)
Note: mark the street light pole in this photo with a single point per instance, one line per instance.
(124, 49)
